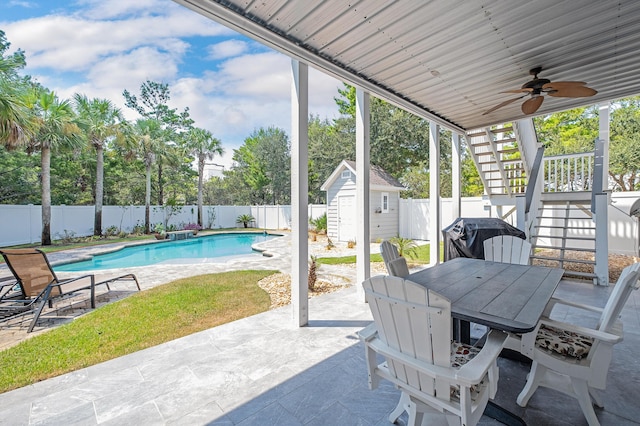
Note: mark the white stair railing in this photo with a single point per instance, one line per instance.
(567, 173)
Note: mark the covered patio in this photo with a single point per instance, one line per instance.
(446, 62)
(260, 371)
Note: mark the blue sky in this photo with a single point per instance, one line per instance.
(231, 84)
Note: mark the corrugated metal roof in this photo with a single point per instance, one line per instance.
(450, 60)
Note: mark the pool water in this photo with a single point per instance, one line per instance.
(208, 248)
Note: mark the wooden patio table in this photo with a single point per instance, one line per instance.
(501, 296)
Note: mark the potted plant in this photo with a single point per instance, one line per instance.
(193, 227)
(159, 231)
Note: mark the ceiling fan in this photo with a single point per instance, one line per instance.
(538, 87)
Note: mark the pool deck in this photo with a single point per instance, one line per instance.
(279, 259)
(263, 370)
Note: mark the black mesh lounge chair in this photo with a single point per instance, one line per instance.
(37, 284)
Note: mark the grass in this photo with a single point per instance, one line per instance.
(142, 320)
(419, 255)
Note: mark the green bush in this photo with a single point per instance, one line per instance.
(320, 224)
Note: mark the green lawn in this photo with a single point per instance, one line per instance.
(419, 255)
(142, 320)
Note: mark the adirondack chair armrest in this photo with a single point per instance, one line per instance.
(431, 370)
(584, 331)
(368, 333)
(472, 372)
(558, 301)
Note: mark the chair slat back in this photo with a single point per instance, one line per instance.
(389, 252)
(627, 282)
(398, 267)
(507, 249)
(32, 270)
(415, 321)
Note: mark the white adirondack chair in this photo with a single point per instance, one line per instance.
(398, 267)
(507, 249)
(389, 252)
(412, 331)
(573, 359)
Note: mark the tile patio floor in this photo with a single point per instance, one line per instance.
(263, 371)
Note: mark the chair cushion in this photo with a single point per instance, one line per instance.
(462, 353)
(563, 342)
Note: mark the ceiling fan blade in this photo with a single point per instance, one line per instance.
(564, 83)
(531, 105)
(503, 104)
(571, 91)
(524, 90)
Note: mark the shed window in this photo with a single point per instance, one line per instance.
(384, 201)
(346, 174)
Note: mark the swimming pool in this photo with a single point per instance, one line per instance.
(211, 248)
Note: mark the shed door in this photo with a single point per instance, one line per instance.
(347, 218)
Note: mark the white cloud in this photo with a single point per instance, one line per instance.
(85, 53)
(227, 49)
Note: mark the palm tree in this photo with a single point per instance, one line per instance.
(203, 145)
(100, 120)
(56, 127)
(15, 121)
(145, 141)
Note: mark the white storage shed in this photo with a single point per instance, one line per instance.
(342, 215)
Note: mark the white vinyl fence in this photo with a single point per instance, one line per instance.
(23, 224)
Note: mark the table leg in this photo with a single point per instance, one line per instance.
(462, 331)
(502, 415)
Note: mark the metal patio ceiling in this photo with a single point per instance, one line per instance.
(450, 60)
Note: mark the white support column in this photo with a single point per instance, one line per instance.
(299, 193)
(456, 177)
(603, 116)
(434, 193)
(363, 237)
(602, 239)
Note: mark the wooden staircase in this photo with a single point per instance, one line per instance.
(498, 159)
(555, 210)
(564, 235)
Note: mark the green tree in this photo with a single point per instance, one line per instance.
(143, 141)
(329, 144)
(15, 121)
(624, 154)
(100, 120)
(264, 162)
(153, 104)
(203, 145)
(568, 132)
(56, 128)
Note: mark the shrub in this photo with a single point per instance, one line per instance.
(405, 246)
(111, 231)
(351, 244)
(245, 219)
(320, 224)
(192, 227)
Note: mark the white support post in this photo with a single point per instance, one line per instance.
(363, 249)
(434, 193)
(603, 118)
(299, 193)
(456, 177)
(602, 239)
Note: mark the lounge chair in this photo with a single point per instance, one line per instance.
(37, 284)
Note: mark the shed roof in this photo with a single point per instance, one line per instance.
(378, 178)
(451, 61)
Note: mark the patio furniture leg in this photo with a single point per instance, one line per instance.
(45, 299)
(400, 408)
